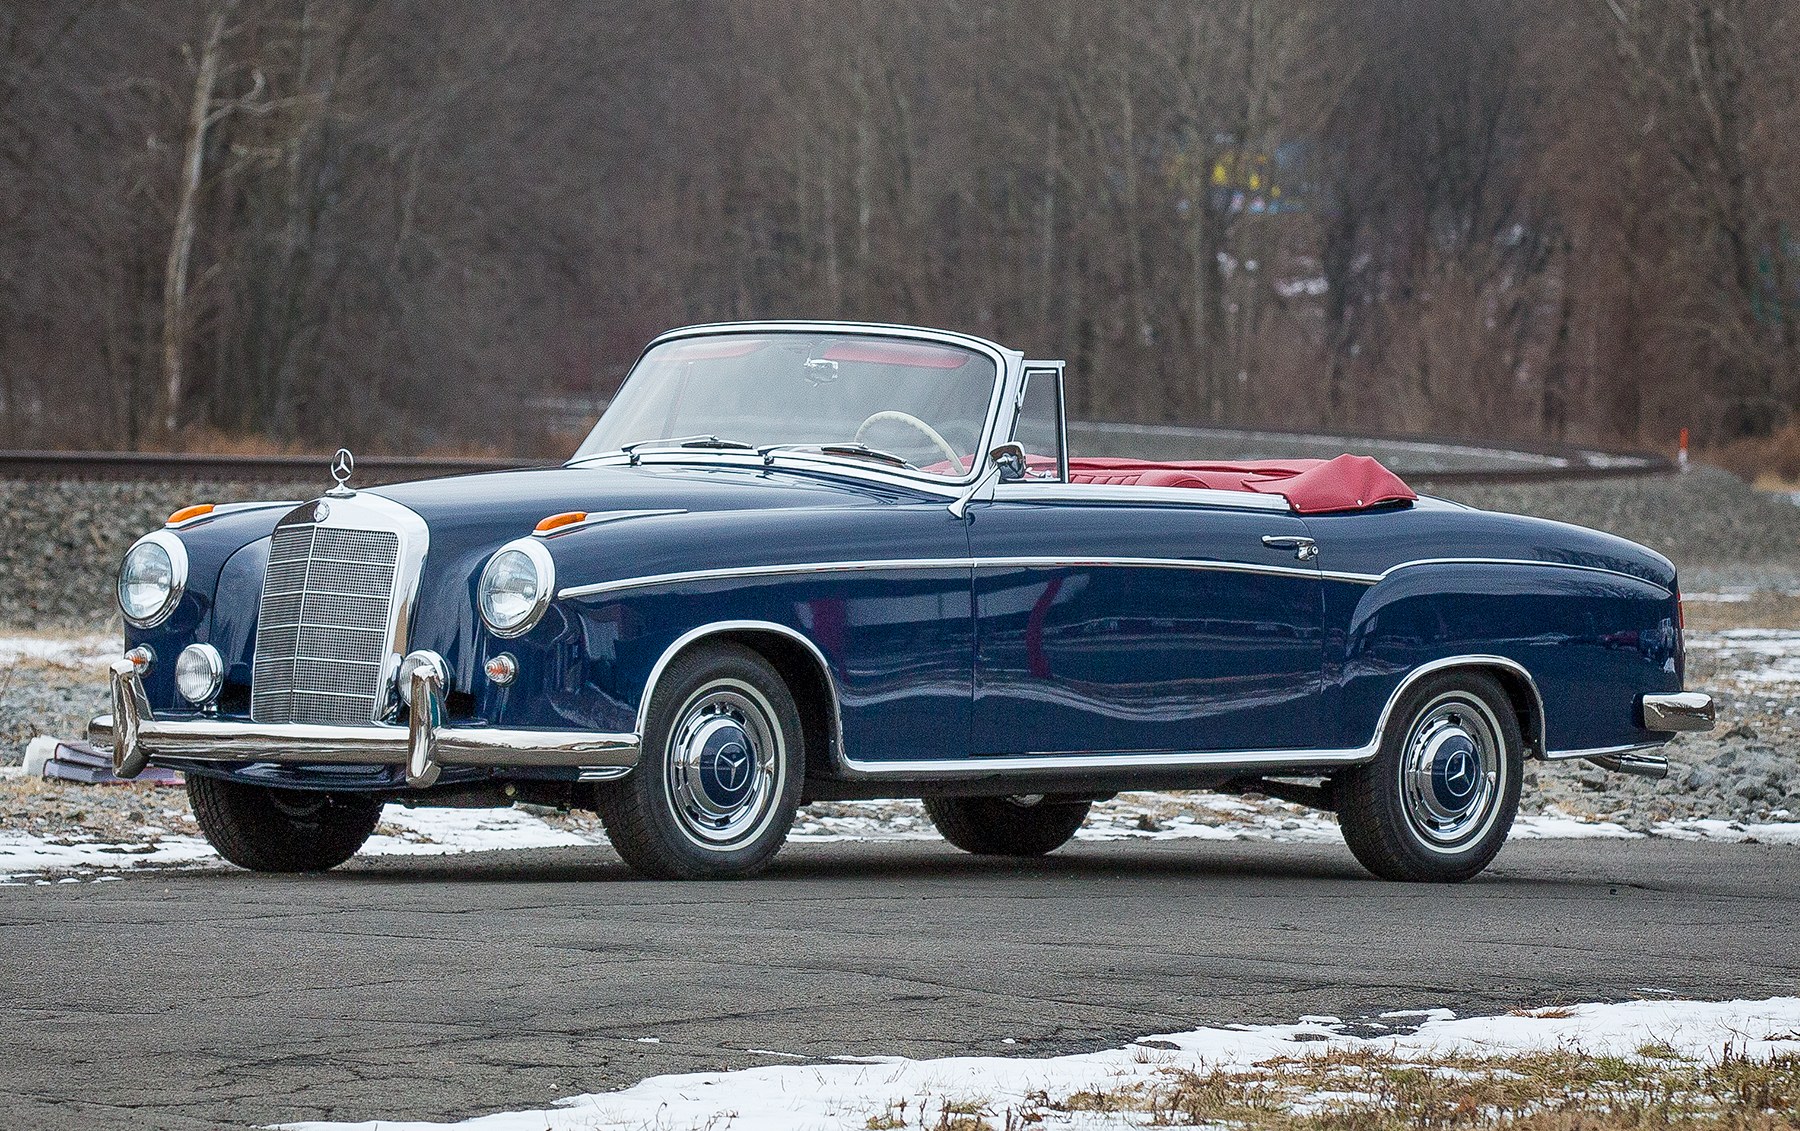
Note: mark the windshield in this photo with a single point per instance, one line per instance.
(894, 402)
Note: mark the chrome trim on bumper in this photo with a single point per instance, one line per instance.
(1686, 710)
(135, 735)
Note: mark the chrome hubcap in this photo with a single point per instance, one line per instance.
(724, 765)
(1450, 772)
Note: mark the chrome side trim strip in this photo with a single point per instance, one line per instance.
(892, 564)
(1391, 570)
(882, 565)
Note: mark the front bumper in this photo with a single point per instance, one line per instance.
(135, 735)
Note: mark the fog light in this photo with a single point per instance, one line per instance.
(199, 673)
(502, 669)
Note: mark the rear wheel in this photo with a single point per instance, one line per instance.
(1021, 825)
(719, 782)
(1440, 796)
(281, 830)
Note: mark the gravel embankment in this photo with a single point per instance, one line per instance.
(63, 542)
(1721, 534)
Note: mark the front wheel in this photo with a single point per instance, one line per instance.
(1440, 796)
(1006, 826)
(281, 830)
(719, 782)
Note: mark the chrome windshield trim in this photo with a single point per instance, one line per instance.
(1007, 375)
(788, 461)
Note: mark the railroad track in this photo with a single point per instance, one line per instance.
(1426, 459)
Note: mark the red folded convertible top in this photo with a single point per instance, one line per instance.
(1311, 486)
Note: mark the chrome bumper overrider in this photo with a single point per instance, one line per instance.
(135, 735)
(1685, 710)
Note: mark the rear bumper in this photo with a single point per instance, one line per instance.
(1679, 711)
(135, 735)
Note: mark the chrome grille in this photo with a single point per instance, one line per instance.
(324, 629)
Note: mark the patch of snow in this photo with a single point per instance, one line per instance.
(1712, 828)
(24, 855)
(1554, 824)
(1760, 655)
(423, 832)
(847, 1091)
(443, 832)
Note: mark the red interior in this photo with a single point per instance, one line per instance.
(1311, 486)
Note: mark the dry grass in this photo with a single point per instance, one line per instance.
(1773, 460)
(1362, 1089)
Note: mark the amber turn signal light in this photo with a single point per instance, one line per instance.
(558, 521)
(186, 513)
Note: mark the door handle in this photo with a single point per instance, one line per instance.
(1304, 549)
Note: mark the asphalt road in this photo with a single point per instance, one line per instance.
(447, 988)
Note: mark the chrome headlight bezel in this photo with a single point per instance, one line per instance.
(176, 552)
(544, 567)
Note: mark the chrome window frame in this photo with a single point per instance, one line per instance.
(1008, 378)
(1027, 370)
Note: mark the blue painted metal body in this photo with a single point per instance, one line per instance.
(1003, 632)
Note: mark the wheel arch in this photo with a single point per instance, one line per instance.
(1520, 686)
(801, 665)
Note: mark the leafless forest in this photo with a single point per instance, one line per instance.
(402, 223)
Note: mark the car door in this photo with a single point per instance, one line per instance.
(1118, 625)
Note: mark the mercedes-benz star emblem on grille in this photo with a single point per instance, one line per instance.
(321, 511)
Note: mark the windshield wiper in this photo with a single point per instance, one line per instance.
(704, 441)
(844, 448)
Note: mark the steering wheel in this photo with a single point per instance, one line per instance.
(897, 417)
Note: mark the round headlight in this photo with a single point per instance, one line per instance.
(151, 579)
(199, 673)
(516, 586)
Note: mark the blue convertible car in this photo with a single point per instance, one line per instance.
(800, 561)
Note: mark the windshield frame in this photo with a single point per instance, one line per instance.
(1007, 376)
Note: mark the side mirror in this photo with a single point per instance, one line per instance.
(1009, 458)
(1005, 461)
